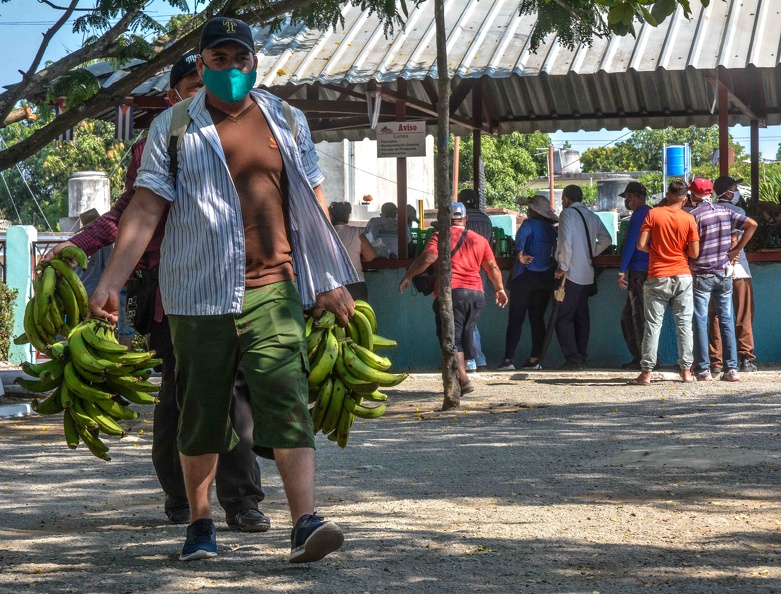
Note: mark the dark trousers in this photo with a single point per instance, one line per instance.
(530, 293)
(743, 303)
(633, 315)
(358, 291)
(467, 305)
(572, 323)
(238, 472)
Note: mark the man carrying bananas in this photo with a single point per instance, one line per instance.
(469, 253)
(247, 246)
(238, 477)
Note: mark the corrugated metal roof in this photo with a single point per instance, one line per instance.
(658, 79)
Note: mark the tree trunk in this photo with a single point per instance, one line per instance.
(444, 197)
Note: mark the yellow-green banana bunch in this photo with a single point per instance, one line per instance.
(60, 301)
(94, 379)
(345, 371)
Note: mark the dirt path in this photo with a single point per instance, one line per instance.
(544, 483)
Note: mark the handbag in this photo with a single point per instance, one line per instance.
(141, 297)
(593, 288)
(425, 281)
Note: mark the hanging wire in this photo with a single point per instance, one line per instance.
(7, 189)
(127, 152)
(29, 189)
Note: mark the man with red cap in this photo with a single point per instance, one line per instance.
(712, 276)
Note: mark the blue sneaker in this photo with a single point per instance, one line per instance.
(312, 539)
(471, 365)
(201, 541)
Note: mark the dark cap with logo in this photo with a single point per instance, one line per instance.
(184, 66)
(221, 30)
(724, 183)
(634, 187)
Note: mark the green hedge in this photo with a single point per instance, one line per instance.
(7, 297)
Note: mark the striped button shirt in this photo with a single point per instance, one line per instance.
(715, 224)
(203, 256)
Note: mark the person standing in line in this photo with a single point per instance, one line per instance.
(356, 244)
(633, 272)
(581, 235)
(385, 230)
(669, 235)
(238, 477)
(713, 277)
(471, 253)
(247, 247)
(478, 222)
(728, 195)
(531, 280)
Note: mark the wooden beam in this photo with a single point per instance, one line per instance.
(461, 92)
(401, 173)
(736, 101)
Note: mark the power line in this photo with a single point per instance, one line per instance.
(18, 216)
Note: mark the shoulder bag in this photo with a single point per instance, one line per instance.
(424, 282)
(593, 288)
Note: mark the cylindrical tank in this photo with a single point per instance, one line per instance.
(556, 198)
(608, 191)
(88, 189)
(676, 161)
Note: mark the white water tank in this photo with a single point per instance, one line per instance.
(88, 189)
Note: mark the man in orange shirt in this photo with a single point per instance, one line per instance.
(669, 235)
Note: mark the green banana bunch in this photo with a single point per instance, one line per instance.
(94, 379)
(345, 371)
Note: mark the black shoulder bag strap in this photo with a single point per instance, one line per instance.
(460, 241)
(588, 237)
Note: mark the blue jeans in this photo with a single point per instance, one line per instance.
(479, 361)
(718, 288)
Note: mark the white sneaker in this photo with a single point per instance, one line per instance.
(505, 367)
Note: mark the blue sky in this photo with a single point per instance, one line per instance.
(23, 21)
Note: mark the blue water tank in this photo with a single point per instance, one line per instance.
(676, 161)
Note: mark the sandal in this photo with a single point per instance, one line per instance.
(467, 388)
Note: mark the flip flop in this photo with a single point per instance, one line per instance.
(635, 382)
(467, 388)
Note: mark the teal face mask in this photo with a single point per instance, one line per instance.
(230, 85)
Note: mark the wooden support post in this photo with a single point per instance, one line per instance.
(456, 166)
(723, 130)
(401, 173)
(551, 189)
(477, 146)
(754, 165)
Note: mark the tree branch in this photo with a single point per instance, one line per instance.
(8, 103)
(64, 8)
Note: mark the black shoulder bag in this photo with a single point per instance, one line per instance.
(593, 288)
(424, 282)
(141, 298)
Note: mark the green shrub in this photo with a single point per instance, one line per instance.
(7, 297)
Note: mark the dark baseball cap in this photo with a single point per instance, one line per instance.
(184, 66)
(221, 30)
(724, 183)
(634, 187)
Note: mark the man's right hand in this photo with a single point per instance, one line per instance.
(104, 303)
(56, 250)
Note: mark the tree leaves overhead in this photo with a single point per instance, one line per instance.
(579, 21)
(76, 86)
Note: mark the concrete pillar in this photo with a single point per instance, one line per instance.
(88, 189)
(18, 262)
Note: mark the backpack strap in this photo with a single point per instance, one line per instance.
(180, 120)
(290, 118)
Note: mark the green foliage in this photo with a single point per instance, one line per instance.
(327, 14)
(778, 152)
(46, 172)
(578, 21)
(76, 86)
(7, 297)
(770, 183)
(509, 162)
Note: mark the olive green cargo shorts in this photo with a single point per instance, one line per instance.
(268, 339)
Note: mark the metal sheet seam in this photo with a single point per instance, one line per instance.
(495, 62)
(398, 42)
(760, 22)
(669, 41)
(700, 37)
(482, 32)
(345, 44)
(731, 28)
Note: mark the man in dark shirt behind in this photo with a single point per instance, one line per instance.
(478, 222)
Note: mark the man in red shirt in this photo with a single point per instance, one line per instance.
(472, 252)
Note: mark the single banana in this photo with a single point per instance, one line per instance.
(116, 410)
(380, 342)
(21, 339)
(321, 404)
(310, 321)
(99, 344)
(148, 364)
(76, 254)
(364, 412)
(362, 371)
(94, 443)
(327, 320)
(30, 369)
(71, 430)
(86, 375)
(141, 374)
(69, 303)
(31, 329)
(54, 372)
(368, 311)
(313, 341)
(334, 406)
(80, 415)
(129, 359)
(352, 331)
(44, 293)
(343, 426)
(48, 406)
(324, 360)
(135, 396)
(350, 381)
(83, 356)
(134, 383)
(366, 338)
(371, 358)
(37, 369)
(74, 281)
(107, 425)
(60, 350)
(37, 386)
(375, 396)
(79, 388)
(65, 396)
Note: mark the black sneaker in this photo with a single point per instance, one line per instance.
(177, 512)
(536, 366)
(570, 365)
(312, 539)
(249, 520)
(201, 541)
(746, 366)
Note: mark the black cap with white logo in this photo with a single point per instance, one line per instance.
(221, 30)
(184, 66)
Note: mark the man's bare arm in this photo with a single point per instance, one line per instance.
(644, 241)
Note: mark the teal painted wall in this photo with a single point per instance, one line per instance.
(18, 275)
(410, 320)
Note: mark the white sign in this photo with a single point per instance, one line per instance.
(401, 139)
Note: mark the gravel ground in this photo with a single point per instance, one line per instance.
(543, 482)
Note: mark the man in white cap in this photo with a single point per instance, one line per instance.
(469, 253)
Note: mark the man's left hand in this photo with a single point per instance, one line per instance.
(339, 301)
(733, 255)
